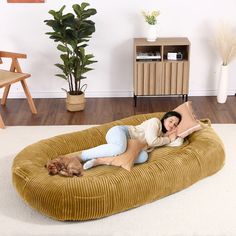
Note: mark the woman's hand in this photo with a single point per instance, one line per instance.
(170, 132)
(172, 135)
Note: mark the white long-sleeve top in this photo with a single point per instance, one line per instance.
(150, 132)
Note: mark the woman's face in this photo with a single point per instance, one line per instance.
(171, 123)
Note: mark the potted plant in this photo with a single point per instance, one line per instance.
(151, 19)
(72, 31)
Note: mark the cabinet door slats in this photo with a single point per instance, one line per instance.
(159, 82)
(173, 78)
(148, 80)
(185, 77)
(179, 88)
(146, 74)
(152, 78)
(167, 78)
(158, 79)
(140, 79)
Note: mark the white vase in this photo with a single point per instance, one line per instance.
(151, 33)
(222, 84)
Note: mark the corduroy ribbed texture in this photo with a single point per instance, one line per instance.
(105, 190)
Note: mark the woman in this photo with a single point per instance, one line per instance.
(151, 133)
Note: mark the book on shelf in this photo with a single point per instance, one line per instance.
(148, 56)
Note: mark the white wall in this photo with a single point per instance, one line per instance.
(117, 22)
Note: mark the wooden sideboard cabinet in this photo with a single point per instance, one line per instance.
(161, 67)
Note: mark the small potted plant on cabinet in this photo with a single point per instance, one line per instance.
(151, 19)
(72, 31)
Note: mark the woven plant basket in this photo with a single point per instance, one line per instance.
(75, 102)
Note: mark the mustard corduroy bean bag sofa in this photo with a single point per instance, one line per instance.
(105, 190)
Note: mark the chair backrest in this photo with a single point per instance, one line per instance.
(15, 66)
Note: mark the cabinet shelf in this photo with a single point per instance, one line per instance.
(167, 60)
(167, 75)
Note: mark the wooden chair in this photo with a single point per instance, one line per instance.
(15, 74)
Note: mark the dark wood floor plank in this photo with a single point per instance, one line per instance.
(103, 110)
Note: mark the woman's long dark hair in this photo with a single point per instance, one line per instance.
(169, 114)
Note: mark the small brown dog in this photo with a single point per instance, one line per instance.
(65, 166)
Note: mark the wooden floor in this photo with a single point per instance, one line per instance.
(102, 110)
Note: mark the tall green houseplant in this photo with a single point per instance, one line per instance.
(72, 31)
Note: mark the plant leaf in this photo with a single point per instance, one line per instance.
(61, 76)
(62, 48)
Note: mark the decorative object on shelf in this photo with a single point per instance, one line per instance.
(150, 56)
(222, 87)
(72, 32)
(226, 46)
(175, 56)
(151, 19)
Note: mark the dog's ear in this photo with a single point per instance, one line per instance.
(47, 164)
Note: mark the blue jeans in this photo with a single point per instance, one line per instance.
(116, 138)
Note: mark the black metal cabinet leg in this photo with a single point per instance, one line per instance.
(135, 100)
(186, 97)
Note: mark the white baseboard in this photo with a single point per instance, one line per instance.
(56, 94)
(209, 92)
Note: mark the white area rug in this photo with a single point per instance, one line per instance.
(208, 208)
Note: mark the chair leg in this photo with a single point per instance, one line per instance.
(1, 123)
(29, 98)
(5, 95)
